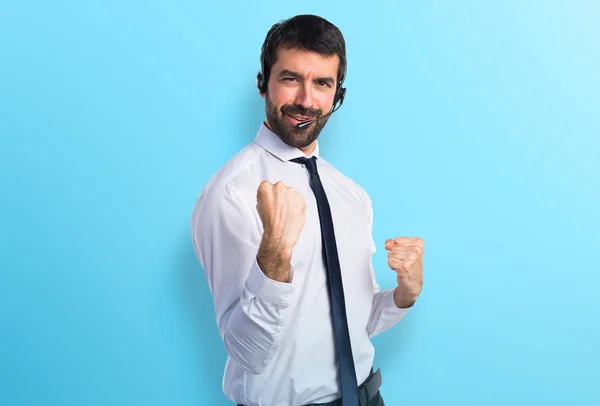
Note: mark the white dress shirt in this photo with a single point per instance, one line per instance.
(279, 336)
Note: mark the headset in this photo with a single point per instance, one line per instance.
(261, 82)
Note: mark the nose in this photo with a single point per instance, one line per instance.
(304, 96)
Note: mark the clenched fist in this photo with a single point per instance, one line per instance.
(282, 211)
(405, 257)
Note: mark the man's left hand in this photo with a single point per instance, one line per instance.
(405, 257)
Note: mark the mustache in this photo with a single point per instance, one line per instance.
(300, 111)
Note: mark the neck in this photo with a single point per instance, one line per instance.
(307, 150)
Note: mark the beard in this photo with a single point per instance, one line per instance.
(289, 133)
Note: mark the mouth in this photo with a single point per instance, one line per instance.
(297, 119)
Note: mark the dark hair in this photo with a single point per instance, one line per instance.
(304, 32)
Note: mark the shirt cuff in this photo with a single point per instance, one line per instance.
(389, 305)
(268, 289)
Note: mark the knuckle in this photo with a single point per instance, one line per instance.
(265, 185)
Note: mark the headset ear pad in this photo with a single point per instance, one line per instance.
(339, 96)
(260, 82)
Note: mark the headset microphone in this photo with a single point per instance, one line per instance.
(309, 122)
(333, 110)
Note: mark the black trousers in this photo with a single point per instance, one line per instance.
(377, 400)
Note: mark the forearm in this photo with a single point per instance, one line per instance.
(384, 312)
(252, 329)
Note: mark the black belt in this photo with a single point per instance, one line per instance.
(366, 391)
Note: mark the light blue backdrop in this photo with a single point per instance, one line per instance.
(474, 125)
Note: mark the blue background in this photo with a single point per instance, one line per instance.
(477, 125)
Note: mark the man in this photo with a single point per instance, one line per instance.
(285, 241)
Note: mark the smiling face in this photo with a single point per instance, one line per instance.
(301, 87)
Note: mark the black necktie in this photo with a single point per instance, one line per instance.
(347, 372)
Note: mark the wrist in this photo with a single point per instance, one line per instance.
(273, 246)
(403, 301)
(274, 261)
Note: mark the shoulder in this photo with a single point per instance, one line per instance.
(221, 192)
(233, 171)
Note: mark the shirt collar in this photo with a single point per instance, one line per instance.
(270, 141)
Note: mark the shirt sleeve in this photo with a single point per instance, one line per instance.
(251, 309)
(384, 312)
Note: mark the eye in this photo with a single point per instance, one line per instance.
(323, 83)
(288, 79)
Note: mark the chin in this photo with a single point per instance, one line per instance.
(296, 137)
(299, 137)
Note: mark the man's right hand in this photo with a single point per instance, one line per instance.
(282, 211)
